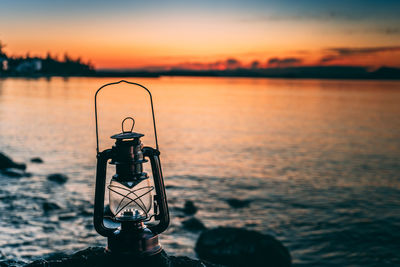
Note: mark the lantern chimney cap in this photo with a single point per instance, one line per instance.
(127, 134)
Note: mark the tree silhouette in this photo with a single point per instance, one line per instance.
(49, 65)
(2, 53)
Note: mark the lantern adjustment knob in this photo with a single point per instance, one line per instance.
(127, 134)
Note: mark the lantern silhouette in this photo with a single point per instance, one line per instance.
(138, 206)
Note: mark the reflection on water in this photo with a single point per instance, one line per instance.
(318, 159)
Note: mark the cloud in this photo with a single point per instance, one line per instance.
(340, 53)
(326, 16)
(284, 62)
(363, 50)
(391, 30)
(228, 64)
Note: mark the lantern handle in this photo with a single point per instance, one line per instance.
(95, 110)
(133, 124)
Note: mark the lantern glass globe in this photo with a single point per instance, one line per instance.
(131, 203)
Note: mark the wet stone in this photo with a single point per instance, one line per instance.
(86, 212)
(55, 256)
(241, 247)
(96, 256)
(193, 224)
(12, 263)
(58, 178)
(48, 229)
(36, 160)
(14, 173)
(67, 216)
(238, 203)
(6, 162)
(49, 206)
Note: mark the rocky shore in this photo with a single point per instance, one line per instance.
(223, 246)
(215, 247)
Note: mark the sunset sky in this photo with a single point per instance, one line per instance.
(205, 34)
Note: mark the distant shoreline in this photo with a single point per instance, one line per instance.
(329, 72)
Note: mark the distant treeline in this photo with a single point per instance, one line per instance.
(43, 66)
(314, 72)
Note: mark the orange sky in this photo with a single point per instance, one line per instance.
(170, 35)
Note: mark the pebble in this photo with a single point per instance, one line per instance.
(58, 178)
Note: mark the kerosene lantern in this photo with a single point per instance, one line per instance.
(139, 210)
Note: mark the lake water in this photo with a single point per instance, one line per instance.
(318, 159)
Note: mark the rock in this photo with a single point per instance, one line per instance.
(56, 256)
(2, 255)
(48, 229)
(48, 206)
(6, 162)
(15, 173)
(180, 261)
(193, 224)
(12, 263)
(189, 208)
(97, 257)
(86, 212)
(240, 247)
(58, 178)
(36, 160)
(238, 203)
(67, 216)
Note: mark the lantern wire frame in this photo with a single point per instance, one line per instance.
(137, 199)
(96, 117)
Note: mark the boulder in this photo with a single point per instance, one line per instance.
(6, 162)
(240, 247)
(58, 178)
(193, 224)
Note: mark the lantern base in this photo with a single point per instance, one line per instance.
(134, 241)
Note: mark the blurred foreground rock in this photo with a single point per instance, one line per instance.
(97, 257)
(193, 224)
(240, 247)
